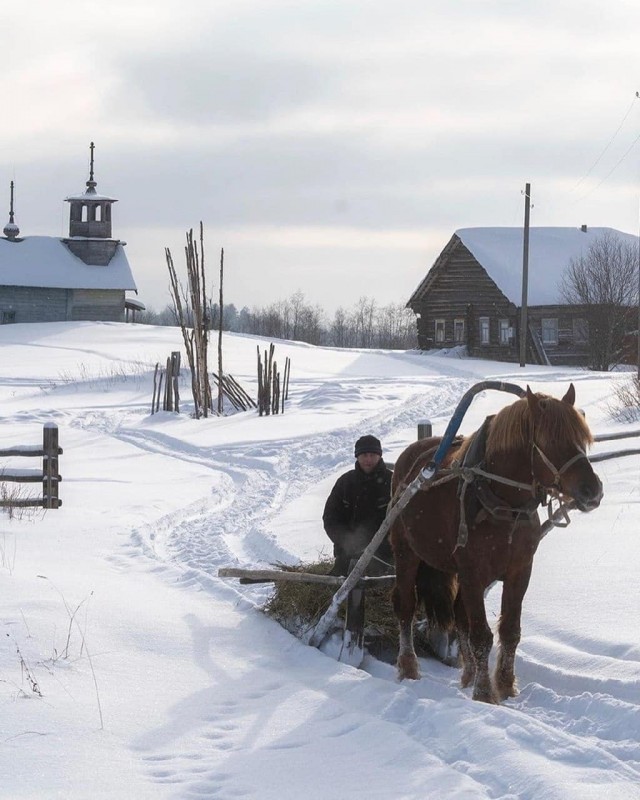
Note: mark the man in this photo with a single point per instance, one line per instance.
(356, 507)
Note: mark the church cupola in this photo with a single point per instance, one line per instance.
(90, 213)
(11, 230)
(90, 224)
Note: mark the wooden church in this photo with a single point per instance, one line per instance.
(84, 276)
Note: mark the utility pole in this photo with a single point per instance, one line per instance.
(525, 276)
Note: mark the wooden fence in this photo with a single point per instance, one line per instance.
(609, 437)
(48, 475)
(171, 394)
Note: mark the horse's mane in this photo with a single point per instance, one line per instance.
(512, 428)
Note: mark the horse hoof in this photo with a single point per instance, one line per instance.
(486, 697)
(507, 691)
(467, 678)
(408, 668)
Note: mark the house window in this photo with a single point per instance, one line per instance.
(549, 331)
(484, 330)
(506, 332)
(439, 330)
(458, 331)
(580, 331)
(7, 317)
(85, 214)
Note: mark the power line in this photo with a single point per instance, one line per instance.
(607, 146)
(613, 169)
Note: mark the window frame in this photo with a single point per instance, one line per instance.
(505, 331)
(580, 330)
(484, 327)
(545, 327)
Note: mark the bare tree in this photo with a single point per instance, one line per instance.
(340, 329)
(604, 283)
(396, 327)
(364, 321)
(191, 312)
(220, 325)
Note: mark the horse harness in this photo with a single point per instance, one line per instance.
(478, 502)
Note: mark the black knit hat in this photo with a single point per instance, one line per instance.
(368, 444)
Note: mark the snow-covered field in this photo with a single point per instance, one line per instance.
(128, 669)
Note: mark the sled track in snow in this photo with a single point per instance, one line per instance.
(254, 482)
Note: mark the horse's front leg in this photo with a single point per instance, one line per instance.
(462, 627)
(513, 591)
(404, 605)
(480, 638)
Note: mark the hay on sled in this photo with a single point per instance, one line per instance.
(299, 606)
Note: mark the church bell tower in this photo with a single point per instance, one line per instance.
(90, 223)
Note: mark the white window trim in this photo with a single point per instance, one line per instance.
(482, 328)
(547, 327)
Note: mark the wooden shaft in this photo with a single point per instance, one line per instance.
(275, 575)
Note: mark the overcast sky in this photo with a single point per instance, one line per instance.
(329, 146)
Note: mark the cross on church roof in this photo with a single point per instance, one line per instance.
(91, 184)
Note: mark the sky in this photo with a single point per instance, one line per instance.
(329, 147)
(129, 669)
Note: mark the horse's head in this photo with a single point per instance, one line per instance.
(560, 437)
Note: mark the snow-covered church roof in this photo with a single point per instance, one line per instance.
(499, 251)
(45, 261)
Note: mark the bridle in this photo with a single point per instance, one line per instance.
(552, 468)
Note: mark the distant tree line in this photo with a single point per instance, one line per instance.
(366, 324)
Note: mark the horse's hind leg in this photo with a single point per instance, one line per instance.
(404, 606)
(513, 592)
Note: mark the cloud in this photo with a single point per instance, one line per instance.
(214, 88)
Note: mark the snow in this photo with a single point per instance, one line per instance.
(500, 251)
(91, 196)
(45, 261)
(157, 679)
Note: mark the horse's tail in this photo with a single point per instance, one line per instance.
(437, 592)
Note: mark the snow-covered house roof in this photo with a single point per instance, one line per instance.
(45, 261)
(500, 250)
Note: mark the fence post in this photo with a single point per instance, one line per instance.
(50, 475)
(175, 373)
(425, 429)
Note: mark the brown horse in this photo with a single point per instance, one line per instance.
(476, 522)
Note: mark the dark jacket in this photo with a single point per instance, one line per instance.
(355, 510)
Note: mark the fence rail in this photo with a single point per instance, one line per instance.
(48, 475)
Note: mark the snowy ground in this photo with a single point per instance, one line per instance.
(128, 669)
